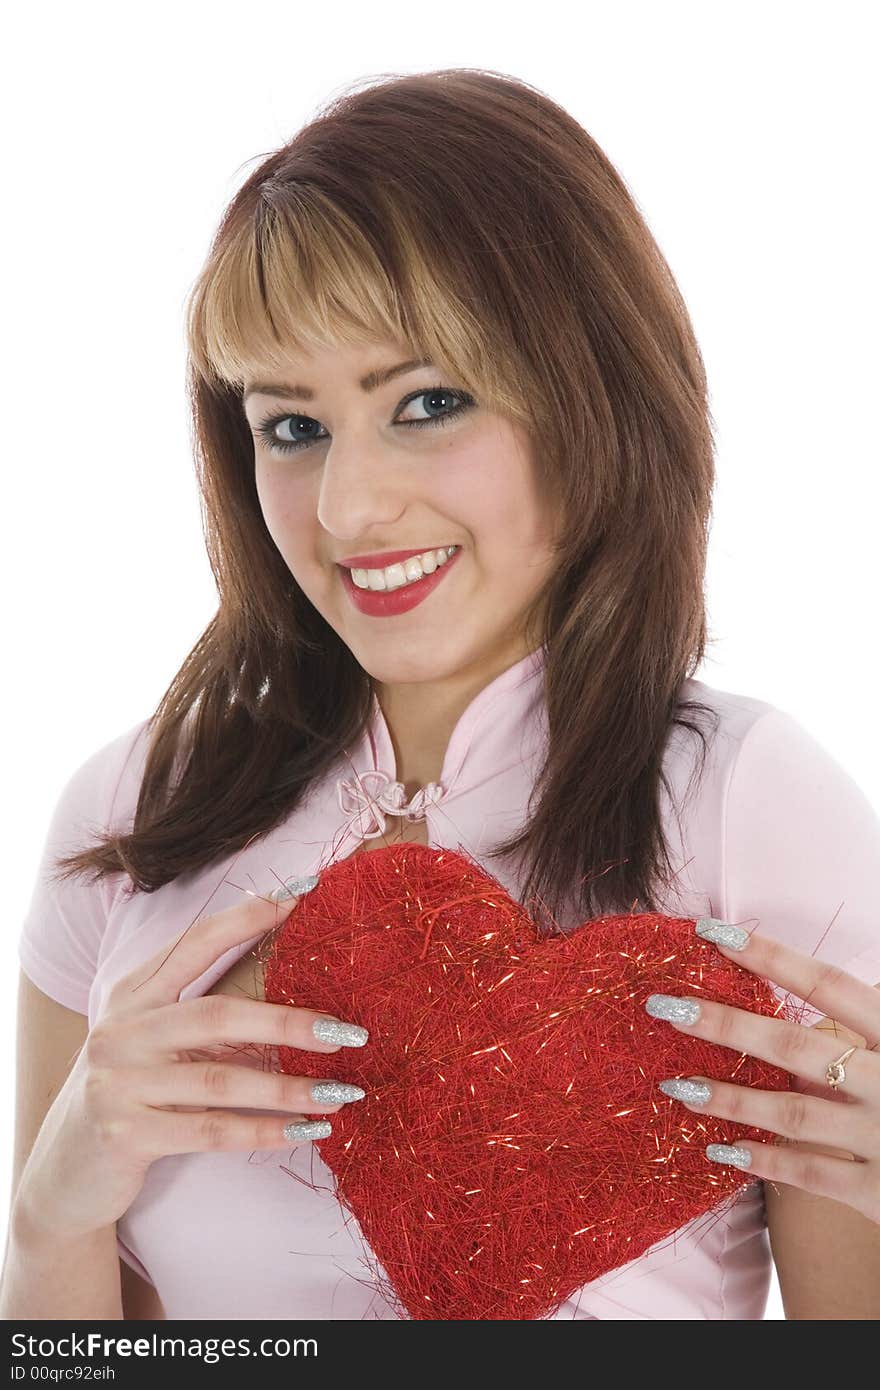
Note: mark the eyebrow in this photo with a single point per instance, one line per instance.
(367, 383)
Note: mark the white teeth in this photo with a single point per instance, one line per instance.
(407, 572)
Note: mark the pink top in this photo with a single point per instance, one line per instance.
(775, 833)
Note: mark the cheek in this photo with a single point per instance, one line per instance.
(276, 490)
(490, 490)
(287, 505)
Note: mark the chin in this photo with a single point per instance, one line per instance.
(406, 667)
(420, 659)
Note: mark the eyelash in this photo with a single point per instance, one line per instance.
(287, 446)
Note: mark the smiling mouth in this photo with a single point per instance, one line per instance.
(404, 573)
(401, 597)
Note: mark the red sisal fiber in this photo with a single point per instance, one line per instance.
(513, 1144)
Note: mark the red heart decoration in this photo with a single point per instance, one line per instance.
(513, 1143)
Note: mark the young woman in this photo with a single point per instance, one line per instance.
(454, 444)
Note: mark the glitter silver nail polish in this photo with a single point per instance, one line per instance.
(729, 1153)
(722, 933)
(336, 1092)
(294, 888)
(307, 1129)
(693, 1092)
(673, 1009)
(331, 1030)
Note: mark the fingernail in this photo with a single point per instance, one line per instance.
(336, 1092)
(673, 1009)
(692, 1092)
(294, 888)
(729, 1153)
(307, 1129)
(332, 1030)
(722, 933)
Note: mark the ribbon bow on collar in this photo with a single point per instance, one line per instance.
(369, 811)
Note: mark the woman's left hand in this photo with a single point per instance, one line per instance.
(847, 1117)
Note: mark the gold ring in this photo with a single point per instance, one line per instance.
(835, 1072)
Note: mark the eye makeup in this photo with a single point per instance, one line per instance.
(265, 430)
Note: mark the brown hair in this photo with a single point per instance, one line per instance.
(465, 213)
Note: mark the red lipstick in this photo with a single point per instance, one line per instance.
(387, 603)
(383, 558)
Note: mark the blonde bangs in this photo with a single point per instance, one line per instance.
(303, 277)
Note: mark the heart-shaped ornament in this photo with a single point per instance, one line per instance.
(513, 1144)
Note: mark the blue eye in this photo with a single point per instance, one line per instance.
(266, 428)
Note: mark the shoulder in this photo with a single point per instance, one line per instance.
(758, 749)
(799, 836)
(106, 783)
(61, 934)
(784, 782)
(731, 714)
(703, 745)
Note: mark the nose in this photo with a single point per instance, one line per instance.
(362, 489)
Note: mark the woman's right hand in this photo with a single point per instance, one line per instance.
(115, 1113)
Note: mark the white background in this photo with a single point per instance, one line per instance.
(748, 137)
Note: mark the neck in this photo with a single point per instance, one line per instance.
(421, 716)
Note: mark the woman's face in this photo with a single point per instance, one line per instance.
(366, 481)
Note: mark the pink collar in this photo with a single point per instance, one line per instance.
(498, 728)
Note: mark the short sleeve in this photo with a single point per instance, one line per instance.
(61, 935)
(802, 849)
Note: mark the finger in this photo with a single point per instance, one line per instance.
(826, 987)
(219, 1019)
(795, 1048)
(219, 1083)
(786, 1113)
(174, 1132)
(161, 979)
(845, 1180)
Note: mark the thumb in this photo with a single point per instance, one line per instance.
(293, 888)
